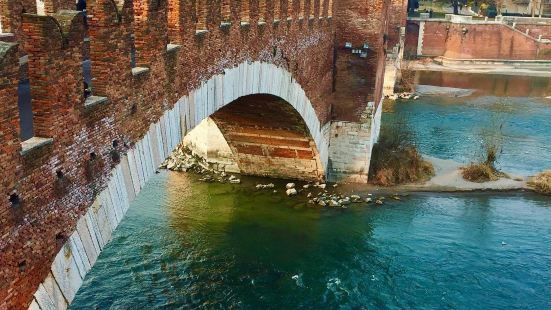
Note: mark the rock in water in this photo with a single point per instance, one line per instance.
(171, 165)
(290, 185)
(291, 192)
(235, 181)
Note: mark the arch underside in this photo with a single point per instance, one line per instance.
(267, 137)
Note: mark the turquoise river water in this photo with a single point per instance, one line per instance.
(185, 244)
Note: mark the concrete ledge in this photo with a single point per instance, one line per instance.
(7, 37)
(93, 101)
(518, 63)
(23, 60)
(225, 24)
(34, 143)
(136, 71)
(171, 48)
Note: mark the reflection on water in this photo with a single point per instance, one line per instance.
(489, 84)
(458, 128)
(185, 244)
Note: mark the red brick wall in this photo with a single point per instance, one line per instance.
(493, 42)
(276, 146)
(397, 18)
(435, 38)
(33, 233)
(11, 11)
(480, 41)
(359, 80)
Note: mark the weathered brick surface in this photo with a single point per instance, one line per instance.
(57, 183)
(11, 11)
(268, 137)
(359, 80)
(477, 41)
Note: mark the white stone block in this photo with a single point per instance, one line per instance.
(236, 80)
(211, 97)
(148, 154)
(228, 87)
(191, 102)
(34, 305)
(103, 223)
(93, 226)
(123, 190)
(218, 92)
(134, 171)
(198, 107)
(54, 292)
(160, 145)
(176, 124)
(178, 118)
(162, 123)
(89, 242)
(107, 204)
(139, 167)
(44, 300)
(182, 103)
(142, 163)
(81, 259)
(155, 152)
(110, 194)
(66, 272)
(169, 131)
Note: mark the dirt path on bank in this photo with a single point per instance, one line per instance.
(482, 69)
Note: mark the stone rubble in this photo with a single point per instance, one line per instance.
(182, 160)
(404, 96)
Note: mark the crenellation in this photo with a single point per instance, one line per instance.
(150, 31)
(54, 46)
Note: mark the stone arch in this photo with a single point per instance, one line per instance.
(260, 135)
(140, 162)
(240, 81)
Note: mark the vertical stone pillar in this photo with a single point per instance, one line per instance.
(54, 46)
(109, 49)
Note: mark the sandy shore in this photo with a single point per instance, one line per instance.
(493, 69)
(447, 178)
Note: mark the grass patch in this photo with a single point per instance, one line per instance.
(395, 159)
(492, 138)
(541, 183)
(484, 171)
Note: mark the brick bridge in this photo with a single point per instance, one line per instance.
(72, 160)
